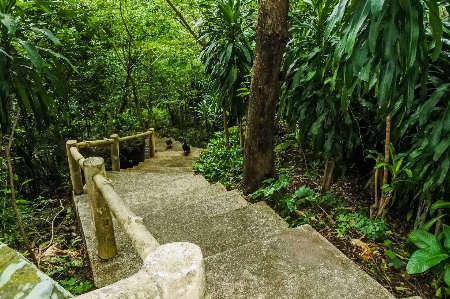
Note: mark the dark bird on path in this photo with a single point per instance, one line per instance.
(186, 148)
(169, 143)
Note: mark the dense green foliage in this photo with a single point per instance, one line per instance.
(219, 164)
(351, 64)
(227, 27)
(27, 66)
(431, 252)
(88, 69)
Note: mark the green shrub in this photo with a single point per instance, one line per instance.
(221, 165)
(273, 187)
(76, 286)
(371, 229)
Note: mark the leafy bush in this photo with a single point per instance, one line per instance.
(75, 286)
(273, 187)
(371, 229)
(218, 164)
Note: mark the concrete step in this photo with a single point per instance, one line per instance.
(165, 164)
(143, 193)
(159, 169)
(296, 263)
(155, 185)
(193, 210)
(219, 233)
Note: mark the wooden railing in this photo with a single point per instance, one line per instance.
(76, 160)
(174, 270)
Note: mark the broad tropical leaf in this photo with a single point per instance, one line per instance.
(423, 259)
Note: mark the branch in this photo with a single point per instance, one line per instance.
(13, 192)
(185, 24)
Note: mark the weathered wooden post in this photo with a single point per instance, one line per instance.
(151, 143)
(104, 229)
(115, 157)
(75, 170)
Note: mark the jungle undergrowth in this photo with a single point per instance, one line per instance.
(341, 215)
(55, 238)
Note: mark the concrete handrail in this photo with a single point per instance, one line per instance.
(175, 268)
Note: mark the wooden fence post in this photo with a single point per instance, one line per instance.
(104, 229)
(115, 157)
(75, 170)
(151, 144)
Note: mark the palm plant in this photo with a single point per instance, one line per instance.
(383, 51)
(227, 31)
(310, 97)
(25, 76)
(27, 68)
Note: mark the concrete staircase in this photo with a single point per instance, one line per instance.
(249, 250)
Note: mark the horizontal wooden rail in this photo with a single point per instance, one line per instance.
(76, 160)
(94, 143)
(145, 134)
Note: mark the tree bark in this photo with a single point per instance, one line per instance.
(271, 40)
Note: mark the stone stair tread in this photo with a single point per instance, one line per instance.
(219, 233)
(154, 184)
(143, 204)
(296, 263)
(184, 212)
(143, 200)
(169, 166)
(108, 272)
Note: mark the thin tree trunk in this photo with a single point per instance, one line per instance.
(386, 149)
(324, 179)
(13, 191)
(128, 65)
(137, 104)
(385, 197)
(329, 175)
(241, 135)
(225, 127)
(271, 40)
(374, 207)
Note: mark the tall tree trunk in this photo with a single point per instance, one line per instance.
(271, 40)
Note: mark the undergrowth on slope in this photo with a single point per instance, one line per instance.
(52, 229)
(216, 163)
